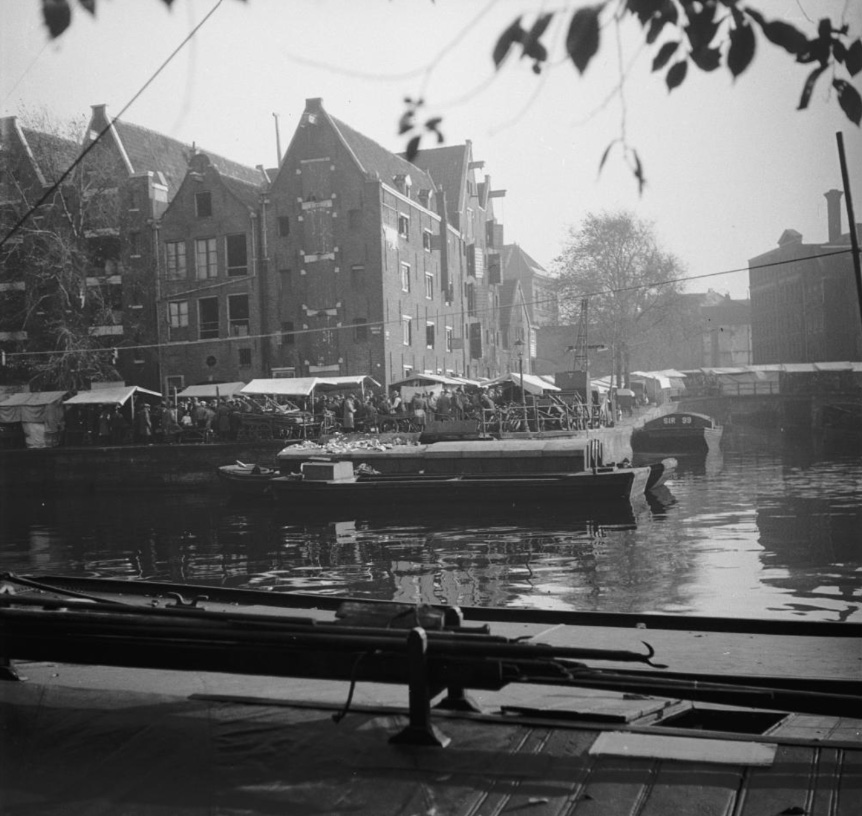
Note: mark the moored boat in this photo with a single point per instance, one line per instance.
(640, 739)
(678, 434)
(247, 479)
(331, 483)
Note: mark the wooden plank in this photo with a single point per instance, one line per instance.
(783, 788)
(678, 786)
(849, 784)
(616, 786)
(683, 749)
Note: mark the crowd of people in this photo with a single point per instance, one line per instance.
(197, 419)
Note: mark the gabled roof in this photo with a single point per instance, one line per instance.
(516, 262)
(376, 161)
(52, 154)
(149, 151)
(448, 167)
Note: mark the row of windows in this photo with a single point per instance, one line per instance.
(208, 322)
(430, 333)
(206, 257)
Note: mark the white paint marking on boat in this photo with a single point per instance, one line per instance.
(683, 749)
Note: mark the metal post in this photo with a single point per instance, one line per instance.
(851, 219)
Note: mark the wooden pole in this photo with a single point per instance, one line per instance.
(851, 219)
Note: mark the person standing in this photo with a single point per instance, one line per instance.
(144, 423)
(348, 413)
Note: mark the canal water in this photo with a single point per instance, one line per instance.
(770, 528)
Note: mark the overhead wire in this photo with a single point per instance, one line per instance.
(83, 154)
(382, 324)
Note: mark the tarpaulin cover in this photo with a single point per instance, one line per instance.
(532, 383)
(282, 386)
(357, 381)
(41, 406)
(211, 390)
(91, 752)
(40, 415)
(109, 396)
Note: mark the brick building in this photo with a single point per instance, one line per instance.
(213, 284)
(804, 306)
(30, 163)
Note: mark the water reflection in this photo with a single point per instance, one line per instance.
(759, 530)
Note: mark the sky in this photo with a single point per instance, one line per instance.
(729, 164)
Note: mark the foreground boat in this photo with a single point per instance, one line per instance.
(336, 483)
(552, 722)
(678, 434)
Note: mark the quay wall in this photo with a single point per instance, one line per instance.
(193, 466)
(126, 467)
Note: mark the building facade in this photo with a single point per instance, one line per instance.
(804, 306)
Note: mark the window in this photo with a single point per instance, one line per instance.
(135, 244)
(206, 261)
(237, 255)
(176, 259)
(286, 277)
(360, 329)
(245, 357)
(283, 226)
(450, 334)
(237, 315)
(426, 240)
(405, 277)
(406, 331)
(354, 219)
(357, 276)
(287, 337)
(429, 285)
(174, 383)
(429, 335)
(471, 300)
(208, 318)
(203, 205)
(178, 314)
(403, 225)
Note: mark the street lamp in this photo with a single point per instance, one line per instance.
(519, 348)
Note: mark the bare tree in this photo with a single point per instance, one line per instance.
(59, 265)
(632, 284)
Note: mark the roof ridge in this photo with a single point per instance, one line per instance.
(191, 147)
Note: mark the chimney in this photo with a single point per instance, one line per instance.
(833, 214)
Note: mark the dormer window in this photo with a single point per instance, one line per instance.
(203, 205)
(403, 183)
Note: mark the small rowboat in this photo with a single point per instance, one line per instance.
(247, 479)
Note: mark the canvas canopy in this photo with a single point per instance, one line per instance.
(119, 395)
(40, 415)
(282, 386)
(211, 390)
(355, 381)
(418, 380)
(532, 383)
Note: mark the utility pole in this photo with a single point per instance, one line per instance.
(277, 141)
(851, 219)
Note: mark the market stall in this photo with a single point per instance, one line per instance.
(39, 417)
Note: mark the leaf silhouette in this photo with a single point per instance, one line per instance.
(808, 89)
(664, 55)
(57, 16)
(582, 41)
(676, 74)
(853, 60)
(849, 99)
(741, 51)
(514, 33)
(413, 148)
(782, 34)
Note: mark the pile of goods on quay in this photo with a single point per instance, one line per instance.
(349, 443)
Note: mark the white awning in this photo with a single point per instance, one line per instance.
(211, 390)
(110, 396)
(355, 381)
(533, 384)
(282, 386)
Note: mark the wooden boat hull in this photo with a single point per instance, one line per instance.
(678, 434)
(603, 484)
(247, 480)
